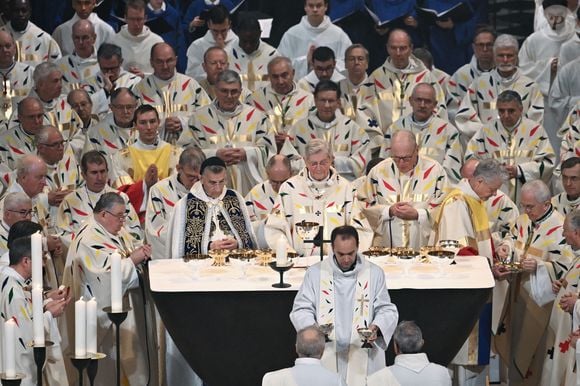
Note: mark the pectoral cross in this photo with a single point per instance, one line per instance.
(362, 302)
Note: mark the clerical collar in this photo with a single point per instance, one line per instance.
(419, 124)
(294, 89)
(508, 79)
(257, 52)
(543, 217)
(225, 113)
(146, 145)
(572, 200)
(350, 269)
(326, 125)
(511, 129)
(157, 11)
(198, 191)
(6, 71)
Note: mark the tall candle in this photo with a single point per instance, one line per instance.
(281, 253)
(92, 326)
(80, 328)
(10, 348)
(37, 316)
(36, 252)
(116, 291)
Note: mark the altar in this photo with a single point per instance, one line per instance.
(232, 326)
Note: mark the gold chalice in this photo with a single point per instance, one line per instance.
(307, 230)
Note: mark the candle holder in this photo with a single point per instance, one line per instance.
(11, 381)
(281, 269)
(80, 363)
(117, 317)
(39, 353)
(94, 366)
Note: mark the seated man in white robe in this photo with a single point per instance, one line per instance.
(349, 142)
(80, 101)
(437, 138)
(77, 207)
(237, 133)
(141, 164)
(565, 92)
(521, 144)
(209, 217)
(355, 88)
(479, 105)
(165, 194)
(308, 369)
(88, 272)
(262, 198)
(111, 77)
(219, 34)
(323, 68)
(82, 63)
(314, 30)
(174, 95)
(16, 304)
(412, 367)
(16, 78)
(481, 61)
(317, 194)
(569, 199)
(17, 207)
(34, 44)
(400, 191)
(283, 102)
(250, 55)
(537, 243)
(349, 292)
(560, 368)
(83, 10)
(135, 38)
(215, 61)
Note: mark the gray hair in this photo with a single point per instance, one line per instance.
(26, 102)
(424, 84)
(43, 70)
(192, 156)
(354, 46)
(316, 146)
(408, 337)
(279, 59)
(229, 77)
(574, 219)
(25, 164)
(213, 169)
(81, 24)
(279, 159)
(15, 199)
(82, 91)
(108, 201)
(539, 189)
(42, 136)
(405, 135)
(108, 50)
(509, 96)
(490, 170)
(505, 41)
(310, 342)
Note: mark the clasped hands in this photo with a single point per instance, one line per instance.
(228, 243)
(231, 155)
(141, 254)
(404, 211)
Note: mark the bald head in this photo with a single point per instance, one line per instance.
(399, 47)
(468, 168)
(31, 115)
(7, 51)
(403, 138)
(278, 170)
(84, 37)
(31, 174)
(404, 152)
(163, 61)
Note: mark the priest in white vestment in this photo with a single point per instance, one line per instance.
(136, 40)
(82, 63)
(350, 292)
(314, 30)
(317, 194)
(323, 68)
(34, 45)
(16, 78)
(308, 369)
(565, 92)
(239, 134)
(570, 134)
(282, 101)
(399, 193)
(219, 34)
(88, 272)
(17, 207)
(83, 10)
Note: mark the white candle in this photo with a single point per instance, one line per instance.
(281, 253)
(116, 290)
(36, 252)
(10, 348)
(80, 328)
(37, 317)
(92, 326)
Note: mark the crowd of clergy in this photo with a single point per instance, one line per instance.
(105, 146)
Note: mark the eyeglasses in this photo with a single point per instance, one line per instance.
(53, 145)
(402, 159)
(120, 216)
(23, 212)
(355, 59)
(124, 107)
(323, 164)
(229, 92)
